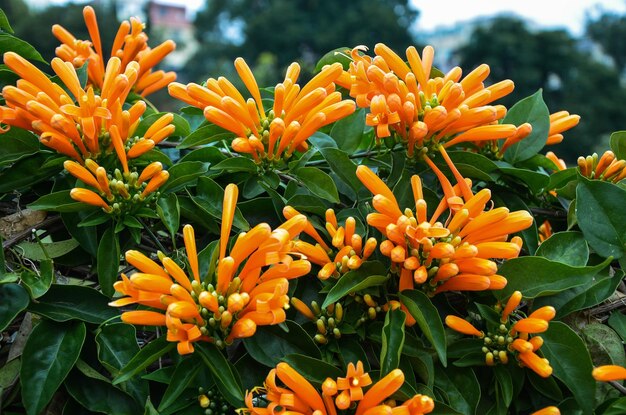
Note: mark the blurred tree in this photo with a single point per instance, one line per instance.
(609, 30)
(556, 62)
(294, 30)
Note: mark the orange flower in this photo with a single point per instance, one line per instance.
(248, 290)
(609, 373)
(559, 163)
(352, 385)
(560, 122)
(297, 112)
(298, 396)
(607, 168)
(548, 410)
(463, 326)
(130, 45)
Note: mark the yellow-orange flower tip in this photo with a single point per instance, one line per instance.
(531, 325)
(144, 318)
(511, 305)
(546, 313)
(329, 387)
(549, 410)
(90, 198)
(462, 326)
(609, 373)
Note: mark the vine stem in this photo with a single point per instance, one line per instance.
(153, 236)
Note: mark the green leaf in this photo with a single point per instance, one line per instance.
(10, 373)
(205, 135)
(505, 383)
(73, 302)
(538, 276)
(318, 183)
(182, 174)
(16, 144)
(618, 144)
(393, 340)
(146, 356)
(314, 370)
(368, 275)
(341, 55)
(561, 178)
(461, 387)
(223, 372)
(169, 212)
(342, 166)
(108, 261)
(13, 300)
(4, 22)
(271, 343)
(58, 202)
(566, 247)
(99, 396)
(234, 164)
(26, 172)
(617, 407)
(10, 43)
(428, 319)
(50, 352)
(348, 132)
(571, 362)
(599, 212)
(319, 141)
(210, 197)
(533, 110)
(38, 283)
(33, 250)
(183, 378)
(181, 125)
(617, 321)
(535, 181)
(603, 344)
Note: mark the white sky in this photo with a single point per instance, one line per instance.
(547, 13)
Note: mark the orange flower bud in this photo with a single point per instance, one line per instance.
(511, 305)
(546, 313)
(462, 326)
(144, 318)
(531, 325)
(549, 410)
(609, 373)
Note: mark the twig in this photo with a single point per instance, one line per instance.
(27, 232)
(618, 386)
(551, 213)
(153, 236)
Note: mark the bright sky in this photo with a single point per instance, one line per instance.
(547, 13)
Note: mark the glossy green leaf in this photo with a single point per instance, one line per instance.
(169, 212)
(428, 319)
(567, 247)
(571, 362)
(4, 22)
(341, 55)
(85, 236)
(535, 181)
(181, 125)
(10, 43)
(538, 276)
(225, 376)
(58, 202)
(533, 110)
(505, 383)
(393, 340)
(26, 172)
(271, 343)
(146, 356)
(368, 275)
(183, 378)
(599, 212)
(108, 261)
(10, 373)
(182, 174)
(13, 300)
(205, 135)
(313, 370)
(461, 387)
(235, 164)
(618, 144)
(16, 144)
(342, 166)
(617, 321)
(211, 155)
(73, 302)
(50, 352)
(99, 396)
(318, 183)
(561, 178)
(33, 250)
(617, 407)
(319, 141)
(38, 282)
(348, 132)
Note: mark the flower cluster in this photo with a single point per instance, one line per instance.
(298, 396)
(608, 167)
(516, 334)
(130, 45)
(248, 289)
(436, 257)
(327, 321)
(296, 114)
(350, 254)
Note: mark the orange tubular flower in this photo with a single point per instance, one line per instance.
(351, 251)
(130, 45)
(607, 168)
(421, 111)
(437, 258)
(297, 112)
(463, 326)
(248, 290)
(609, 373)
(560, 122)
(548, 410)
(298, 396)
